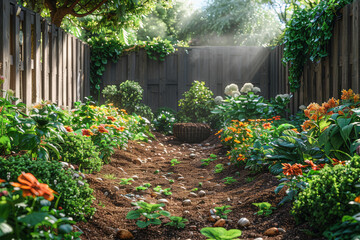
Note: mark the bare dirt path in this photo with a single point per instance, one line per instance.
(142, 160)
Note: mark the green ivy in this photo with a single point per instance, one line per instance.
(306, 36)
(104, 49)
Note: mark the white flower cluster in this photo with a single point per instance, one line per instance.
(248, 87)
(218, 100)
(283, 96)
(232, 90)
(302, 107)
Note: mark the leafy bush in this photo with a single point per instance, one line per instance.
(74, 193)
(150, 213)
(164, 120)
(197, 104)
(79, 150)
(128, 96)
(178, 222)
(326, 198)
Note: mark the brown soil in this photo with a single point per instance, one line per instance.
(142, 159)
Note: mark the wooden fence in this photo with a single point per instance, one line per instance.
(39, 60)
(326, 78)
(165, 82)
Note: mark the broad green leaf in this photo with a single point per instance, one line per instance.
(134, 214)
(33, 218)
(65, 228)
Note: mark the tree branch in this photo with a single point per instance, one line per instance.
(89, 12)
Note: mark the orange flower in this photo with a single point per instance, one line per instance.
(237, 141)
(1, 180)
(313, 166)
(307, 125)
(295, 130)
(292, 170)
(220, 131)
(31, 187)
(241, 157)
(276, 118)
(87, 132)
(111, 118)
(336, 162)
(68, 129)
(346, 95)
(357, 199)
(228, 138)
(266, 125)
(102, 129)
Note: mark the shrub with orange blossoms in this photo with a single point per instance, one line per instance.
(1, 180)
(87, 132)
(102, 129)
(68, 129)
(30, 186)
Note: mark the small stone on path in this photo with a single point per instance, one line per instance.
(186, 202)
(192, 194)
(201, 193)
(163, 200)
(220, 223)
(124, 234)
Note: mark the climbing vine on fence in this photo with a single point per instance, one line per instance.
(104, 49)
(306, 36)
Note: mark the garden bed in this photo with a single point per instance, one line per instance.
(143, 159)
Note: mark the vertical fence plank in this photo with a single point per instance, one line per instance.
(78, 70)
(344, 61)
(87, 71)
(355, 48)
(46, 62)
(54, 67)
(74, 68)
(60, 75)
(5, 42)
(37, 59)
(335, 63)
(15, 79)
(69, 71)
(27, 76)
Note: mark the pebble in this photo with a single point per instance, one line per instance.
(258, 239)
(184, 188)
(137, 161)
(192, 155)
(192, 150)
(186, 212)
(207, 144)
(186, 202)
(243, 222)
(100, 179)
(163, 200)
(220, 223)
(135, 177)
(106, 193)
(201, 193)
(193, 227)
(64, 164)
(75, 175)
(192, 194)
(124, 234)
(180, 178)
(273, 231)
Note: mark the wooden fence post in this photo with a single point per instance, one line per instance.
(5, 42)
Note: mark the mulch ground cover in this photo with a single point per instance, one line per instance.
(141, 160)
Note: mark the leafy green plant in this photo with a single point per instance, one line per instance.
(242, 108)
(75, 195)
(164, 121)
(178, 222)
(325, 201)
(194, 190)
(171, 181)
(219, 168)
(150, 212)
(249, 179)
(265, 208)
(167, 191)
(174, 162)
(126, 181)
(158, 48)
(207, 161)
(219, 233)
(128, 96)
(197, 104)
(229, 180)
(200, 184)
(140, 188)
(79, 150)
(222, 211)
(27, 217)
(158, 188)
(110, 176)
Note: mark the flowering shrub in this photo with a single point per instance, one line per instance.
(74, 194)
(25, 214)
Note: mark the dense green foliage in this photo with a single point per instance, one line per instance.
(325, 200)
(306, 36)
(74, 193)
(164, 120)
(79, 150)
(197, 104)
(128, 96)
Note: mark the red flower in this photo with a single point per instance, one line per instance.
(293, 170)
(1, 180)
(87, 132)
(111, 118)
(277, 118)
(102, 129)
(68, 129)
(266, 125)
(31, 187)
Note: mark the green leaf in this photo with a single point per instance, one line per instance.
(65, 228)
(142, 224)
(134, 214)
(33, 218)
